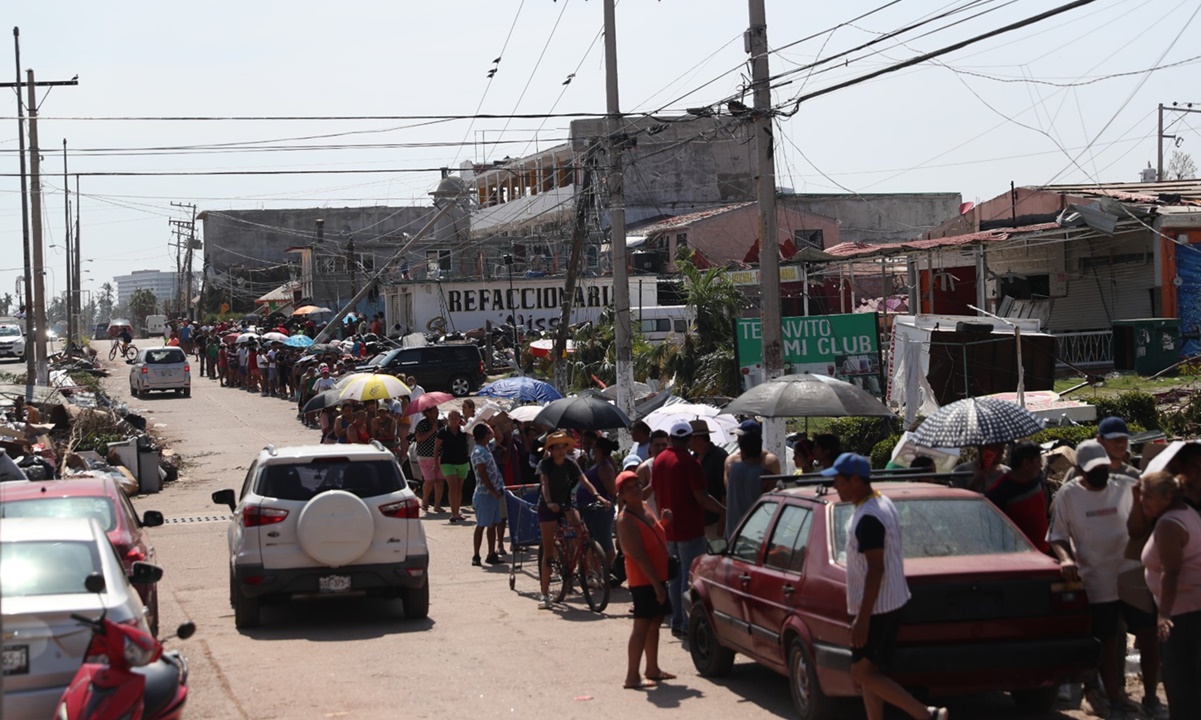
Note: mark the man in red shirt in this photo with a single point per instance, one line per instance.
(1021, 495)
(678, 481)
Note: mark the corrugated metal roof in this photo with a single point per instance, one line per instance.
(1172, 192)
(680, 221)
(848, 249)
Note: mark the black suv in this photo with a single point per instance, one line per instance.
(456, 369)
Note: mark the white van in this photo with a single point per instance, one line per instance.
(155, 325)
(657, 323)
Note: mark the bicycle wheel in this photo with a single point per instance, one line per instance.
(130, 352)
(112, 353)
(560, 576)
(594, 577)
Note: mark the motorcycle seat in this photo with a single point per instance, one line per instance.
(162, 682)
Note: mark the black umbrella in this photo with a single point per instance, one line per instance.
(976, 421)
(322, 400)
(807, 395)
(582, 413)
(321, 348)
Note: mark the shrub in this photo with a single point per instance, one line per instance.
(1074, 434)
(862, 434)
(882, 451)
(1135, 407)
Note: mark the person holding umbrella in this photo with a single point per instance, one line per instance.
(557, 474)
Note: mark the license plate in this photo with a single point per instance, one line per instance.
(334, 584)
(16, 659)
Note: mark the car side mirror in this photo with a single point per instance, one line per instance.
(225, 497)
(144, 573)
(186, 630)
(152, 518)
(717, 546)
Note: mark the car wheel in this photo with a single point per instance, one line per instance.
(246, 610)
(1036, 701)
(807, 696)
(233, 590)
(187, 392)
(460, 385)
(417, 602)
(133, 390)
(709, 657)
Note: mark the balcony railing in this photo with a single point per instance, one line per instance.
(1084, 349)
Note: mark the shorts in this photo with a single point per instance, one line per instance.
(429, 468)
(545, 514)
(600, 526)
(882, 632)
(487, 509)
(458, 470)
(1107, 617)
(646, 607)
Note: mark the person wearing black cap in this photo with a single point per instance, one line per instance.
(713, 462)
(744, 473)
(1114, 436)
(876, 588)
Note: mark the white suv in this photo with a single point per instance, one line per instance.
(12, 341)
(325, 520)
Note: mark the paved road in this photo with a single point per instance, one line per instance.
(484, 651)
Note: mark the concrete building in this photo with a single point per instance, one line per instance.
(877, 217)
(163, 284)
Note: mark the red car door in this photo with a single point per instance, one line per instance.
(742, 567)
(777, 584)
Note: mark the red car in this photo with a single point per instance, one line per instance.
(102, 499)
(989, 612)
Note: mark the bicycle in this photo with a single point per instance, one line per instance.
(127, 351)
(585, 559)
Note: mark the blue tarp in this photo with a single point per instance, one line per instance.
(521, 389)
(1188, 297)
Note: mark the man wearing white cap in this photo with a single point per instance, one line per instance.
(1088, 534)
(679, 486)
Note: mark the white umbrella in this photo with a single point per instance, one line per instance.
(275, 337)
(525, 413)
(721, 427)
(247, 337)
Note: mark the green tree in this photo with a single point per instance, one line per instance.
(104, 306)
(141, 304)
(703, 362)
(57, 309)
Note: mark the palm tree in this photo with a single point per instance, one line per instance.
(105, 303)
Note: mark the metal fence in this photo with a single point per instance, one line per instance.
(1084, 349)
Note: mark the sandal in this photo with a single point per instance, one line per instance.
(660, 677)
(641, 685)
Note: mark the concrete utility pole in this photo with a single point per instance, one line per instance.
(78, 289)
(769, 241)
(1188, 108)
(579, 232)
(70, 306)
(39, 266)
(617, 224)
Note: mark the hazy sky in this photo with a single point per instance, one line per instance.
(1035, 106)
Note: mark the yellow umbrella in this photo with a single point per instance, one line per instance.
(363, 387)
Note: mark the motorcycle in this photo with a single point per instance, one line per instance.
(125, 673)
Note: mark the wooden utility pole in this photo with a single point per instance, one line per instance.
(35, 209)
(769, 241)
(78, 289)
(623, 337)
(578, 234)
(70, 305)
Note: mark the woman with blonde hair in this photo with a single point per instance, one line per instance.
(1172, 558)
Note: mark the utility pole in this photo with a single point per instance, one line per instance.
(78, 295)
(35, 208)
(617, 223)
(350, 264)
(769, 241)
(32, 256)
(1159, 147)
(70, 253)
(579, 232)
(1187, 109)
(188, 240)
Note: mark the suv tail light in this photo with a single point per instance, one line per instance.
(482, 367)
(403, 509)
(187, 368)
(255, 516)
(1068, 597)
(145, 370)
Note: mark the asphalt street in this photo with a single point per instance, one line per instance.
(485, 650)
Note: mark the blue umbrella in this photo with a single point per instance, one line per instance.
(521, 389)
(298, 341)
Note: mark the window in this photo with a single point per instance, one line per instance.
(366, 261)
(941, 528)
(786, 551)
(100, 508)
(680, 326)
(436, 260)
(303, 482)
(46, 567)
(1029, 287)
(749, 541)
(166, 356)
(810, 238)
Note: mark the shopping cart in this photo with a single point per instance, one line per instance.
(525, 536)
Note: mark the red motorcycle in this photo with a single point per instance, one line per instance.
(126, 674)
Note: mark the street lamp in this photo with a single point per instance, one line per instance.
(513, 314)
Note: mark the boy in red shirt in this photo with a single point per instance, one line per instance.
(1021, 495)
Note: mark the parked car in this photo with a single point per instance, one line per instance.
(324, 519)
(12, 341)
(161, 368)
(988, 611)
(100, 498)
(454, 368)
(43, 566)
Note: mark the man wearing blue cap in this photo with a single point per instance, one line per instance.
(1114, 436)
(876, 588)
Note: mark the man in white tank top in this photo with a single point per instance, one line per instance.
(876, 588)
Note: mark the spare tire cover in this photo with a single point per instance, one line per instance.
(335, 528)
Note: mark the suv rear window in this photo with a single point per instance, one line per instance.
(302, 482)
(165, 357)
(100, 508)
(933, 527)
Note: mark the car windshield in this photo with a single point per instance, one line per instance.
(932, 527)
(303, 482)
(166, 356)
(9, 331)
(100, 508)
(46, 567)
